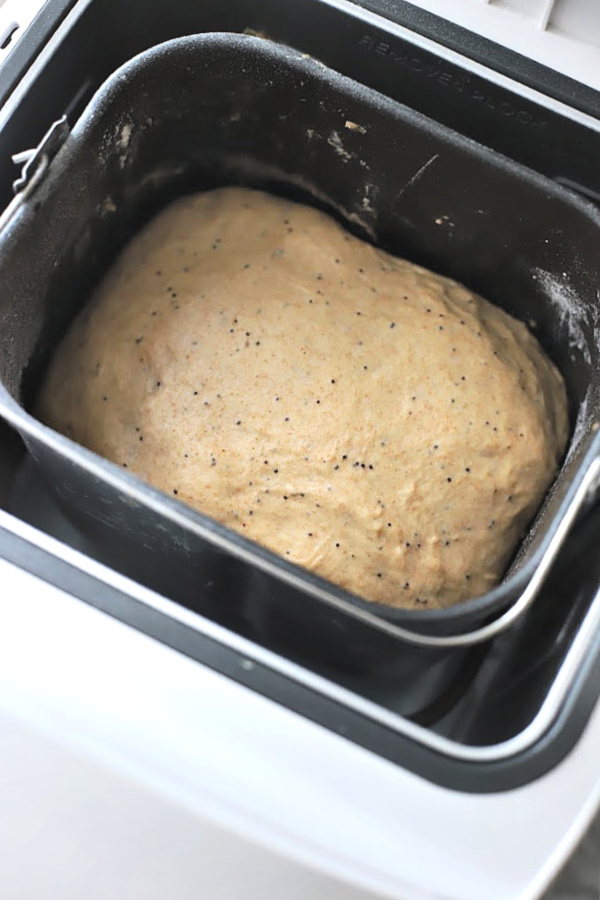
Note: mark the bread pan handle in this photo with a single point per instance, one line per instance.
(35, 164)
(586, 489)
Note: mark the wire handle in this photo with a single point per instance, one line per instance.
(35, 163)
(587, 486)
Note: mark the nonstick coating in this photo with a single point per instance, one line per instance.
(206, 110)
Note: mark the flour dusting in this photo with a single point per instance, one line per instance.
(571, 310)
(573, 315)
(125, 137)
(335, 141)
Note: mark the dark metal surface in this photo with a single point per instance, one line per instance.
(506, 692)
(102, 35)
(213, 109)
(485, 51)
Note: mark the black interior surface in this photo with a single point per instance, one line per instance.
(103, 35)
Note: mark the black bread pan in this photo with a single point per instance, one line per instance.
(215, 109)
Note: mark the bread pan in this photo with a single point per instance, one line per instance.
(206, 110)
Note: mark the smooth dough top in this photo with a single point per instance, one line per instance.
(357, 414)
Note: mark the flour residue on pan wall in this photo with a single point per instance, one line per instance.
(335, 142)
(570, 308)
(575, 319)
(572, 315)
(124, 139)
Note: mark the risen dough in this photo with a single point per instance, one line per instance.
(357, 414)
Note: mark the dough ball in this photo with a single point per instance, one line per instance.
(358, 415)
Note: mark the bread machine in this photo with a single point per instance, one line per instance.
(145, 744)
